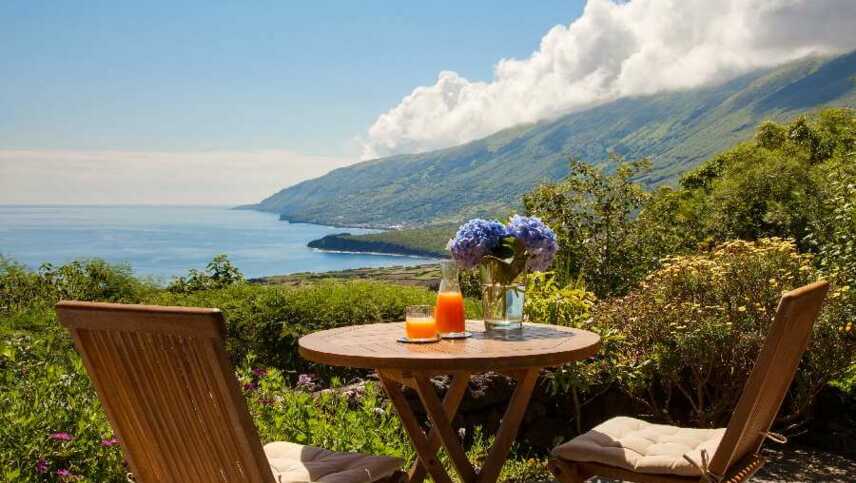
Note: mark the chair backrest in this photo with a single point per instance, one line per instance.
(168, 389)
(774, 370)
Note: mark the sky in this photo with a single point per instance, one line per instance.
(204, 102)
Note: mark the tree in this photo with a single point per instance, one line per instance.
(594, 215)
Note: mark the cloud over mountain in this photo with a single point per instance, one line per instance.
(615, 49)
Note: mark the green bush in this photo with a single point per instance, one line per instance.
(594, 216)
(86, 279)
(779, 184)
(219, 273)
(268, 321)
(549, 303)
(43, 391)
(692, 330)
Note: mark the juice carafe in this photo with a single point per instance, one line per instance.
(449, 311)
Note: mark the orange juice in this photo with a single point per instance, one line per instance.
(449, 312)
(420, 328)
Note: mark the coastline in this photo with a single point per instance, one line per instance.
(347, 243)
(390, 240)
(430, 258)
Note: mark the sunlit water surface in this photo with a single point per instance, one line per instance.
(164, 241)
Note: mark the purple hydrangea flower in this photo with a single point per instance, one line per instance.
(538, 238)
(109, 442)
(475, 239)
(61, 436)
(260, 372)
(41, 466)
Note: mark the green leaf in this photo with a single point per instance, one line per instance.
(12, 475)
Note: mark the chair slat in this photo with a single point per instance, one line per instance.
(772, 375)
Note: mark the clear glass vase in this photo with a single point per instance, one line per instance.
(502, 306)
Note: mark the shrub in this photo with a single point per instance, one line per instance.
(549, 303)
(219, 273)
(594, 216)
(43, 391)
(268, 321)
(778, 184)
(85, 279)
(692, 330)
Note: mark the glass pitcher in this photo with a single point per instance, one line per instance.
(449, 311)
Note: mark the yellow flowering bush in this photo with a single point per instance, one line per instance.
(693, 329)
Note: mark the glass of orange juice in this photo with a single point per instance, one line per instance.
(449, 312)
(419, 324)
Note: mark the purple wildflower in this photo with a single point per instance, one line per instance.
(64, 473)
(41, 466)
(538, 238)
(61, 437)
(475, 239)
(260, 372)
(304, 380)
(251, 386)
(106, 443)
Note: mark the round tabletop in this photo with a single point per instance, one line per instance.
(375, 346)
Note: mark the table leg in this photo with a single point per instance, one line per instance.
(424, 450)
(442, 424)
(508, 427)
(454, 395)
(441, 417)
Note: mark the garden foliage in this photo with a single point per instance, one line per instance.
(692, 330)
(52, 426)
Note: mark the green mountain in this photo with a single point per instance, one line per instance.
(677, 130)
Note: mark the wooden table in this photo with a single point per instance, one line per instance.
(520, 356)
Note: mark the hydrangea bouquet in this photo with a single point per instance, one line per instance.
(504, 251)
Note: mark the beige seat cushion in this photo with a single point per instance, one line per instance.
(642, 447)
(295, 463)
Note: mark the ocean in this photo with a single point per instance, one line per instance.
(165, 241)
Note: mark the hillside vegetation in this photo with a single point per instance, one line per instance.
(676, 130)
(429, 241)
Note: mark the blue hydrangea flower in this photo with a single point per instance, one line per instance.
(475, 239)
(538, 238)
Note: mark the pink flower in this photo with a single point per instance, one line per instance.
(109, 442)
(61, 436)
(41, 466)
(64, 473)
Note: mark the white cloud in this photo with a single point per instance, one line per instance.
(614, 50)
(135, 177)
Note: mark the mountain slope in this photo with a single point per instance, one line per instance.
(677, 130)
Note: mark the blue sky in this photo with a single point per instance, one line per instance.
(187, 76)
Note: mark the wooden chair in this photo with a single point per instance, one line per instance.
(633, 450)
(173, 401)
